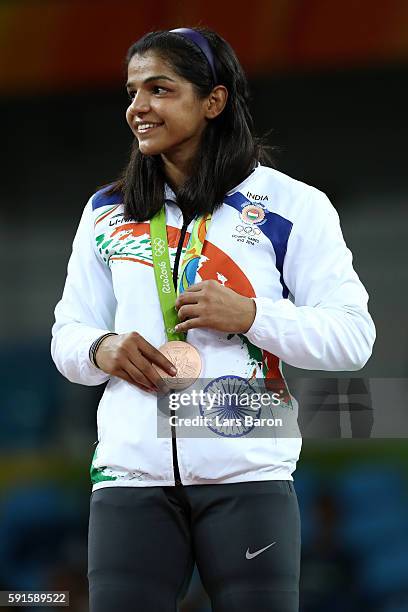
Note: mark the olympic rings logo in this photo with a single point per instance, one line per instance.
(158, 246)
(250, 230)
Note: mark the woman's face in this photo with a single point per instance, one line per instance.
(164, 114)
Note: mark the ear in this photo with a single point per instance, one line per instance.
(216, 102)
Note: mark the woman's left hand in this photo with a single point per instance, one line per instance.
(210, 304)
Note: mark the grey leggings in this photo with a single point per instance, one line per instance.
(244, 537)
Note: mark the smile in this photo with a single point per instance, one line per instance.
(143, 128)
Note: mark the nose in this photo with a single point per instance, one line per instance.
(140, 103)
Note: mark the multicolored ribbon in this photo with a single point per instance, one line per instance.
(162, 268)
(191, 259)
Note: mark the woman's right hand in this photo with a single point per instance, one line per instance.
(131, 357)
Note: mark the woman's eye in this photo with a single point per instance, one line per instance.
(155, 89)
(159, 90)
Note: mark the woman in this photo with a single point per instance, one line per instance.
(265, 276)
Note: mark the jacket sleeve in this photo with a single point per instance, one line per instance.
(325, 325)
(86, 310)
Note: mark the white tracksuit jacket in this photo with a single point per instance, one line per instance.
(275, 239)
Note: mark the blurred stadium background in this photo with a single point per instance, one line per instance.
(331, 79)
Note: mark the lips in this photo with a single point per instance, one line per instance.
(145, 127)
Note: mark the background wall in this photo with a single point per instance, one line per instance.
(330, 79)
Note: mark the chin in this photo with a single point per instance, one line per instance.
(149, 148)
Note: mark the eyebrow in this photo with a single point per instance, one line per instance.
(160, 77)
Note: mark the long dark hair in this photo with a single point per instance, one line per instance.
(228, 150)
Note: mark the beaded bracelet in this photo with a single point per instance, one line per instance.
(96, 344)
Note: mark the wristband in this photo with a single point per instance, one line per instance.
(95, 345)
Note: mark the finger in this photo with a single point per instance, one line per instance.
(138, 374)
(125, 376)
(141, 347)
(143, 371)
(190, 311)
(153, 355)
(190, 324)
(195, 287)
(205, 283)
(187, 298)
(153, 375)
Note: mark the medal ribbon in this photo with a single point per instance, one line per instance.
(162, 268)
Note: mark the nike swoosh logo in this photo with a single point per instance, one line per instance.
(257, 552)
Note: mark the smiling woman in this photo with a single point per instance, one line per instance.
(188, 111)
(200, 262)
(166, 115)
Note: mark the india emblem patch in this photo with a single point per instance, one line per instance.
(253, 214)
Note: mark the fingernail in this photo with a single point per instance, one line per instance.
(173, 370)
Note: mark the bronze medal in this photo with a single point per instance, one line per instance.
(186, 359)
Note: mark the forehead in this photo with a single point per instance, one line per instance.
(147, 65)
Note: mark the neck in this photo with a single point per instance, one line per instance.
(176, 175)
(176, 171)
(178, 164)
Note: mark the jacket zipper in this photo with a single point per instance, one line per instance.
(176, 470)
